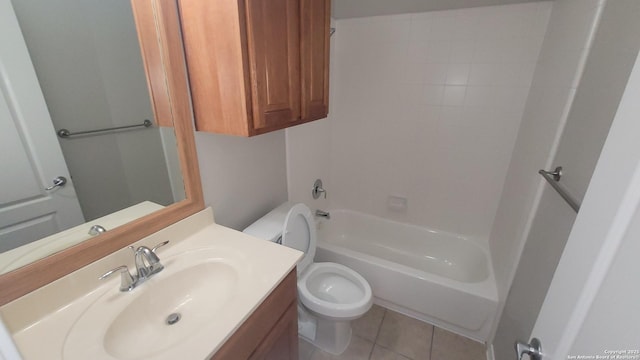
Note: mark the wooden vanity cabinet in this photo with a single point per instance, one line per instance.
(256, 66)
(271, 331)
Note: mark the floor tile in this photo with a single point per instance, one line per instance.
(380, 353)
(405, 336)
(367, 326)
(305, 349)
(359, 349)
(449, 346)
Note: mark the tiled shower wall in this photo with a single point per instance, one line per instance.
(425, 107)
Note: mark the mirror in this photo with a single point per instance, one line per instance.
(158, 32)
(88, 68)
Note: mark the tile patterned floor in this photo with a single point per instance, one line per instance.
(383, 334)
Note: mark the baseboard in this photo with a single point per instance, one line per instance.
(490, 354)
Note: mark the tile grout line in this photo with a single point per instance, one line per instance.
(384, 315)
(433, 334)
(375, 339)
(313, 349)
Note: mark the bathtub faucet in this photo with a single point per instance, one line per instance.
(324, 214)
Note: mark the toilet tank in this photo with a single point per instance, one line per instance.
(269, 227)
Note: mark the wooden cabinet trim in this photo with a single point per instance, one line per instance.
(315, 23)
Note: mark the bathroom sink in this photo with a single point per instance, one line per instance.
(189, 294)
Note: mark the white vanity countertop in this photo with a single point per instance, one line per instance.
(44, 337)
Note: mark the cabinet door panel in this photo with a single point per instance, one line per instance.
(274, 63)
(214, 42)
(282, 341)
(315, 58)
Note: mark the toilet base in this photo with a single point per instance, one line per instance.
(329, 335)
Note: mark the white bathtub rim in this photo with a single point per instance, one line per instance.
(485, 289)
(482, 241)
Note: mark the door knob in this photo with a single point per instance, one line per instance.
(534, 349)
(57, 182)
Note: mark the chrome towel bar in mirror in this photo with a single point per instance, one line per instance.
(64, 133)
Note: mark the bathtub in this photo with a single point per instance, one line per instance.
(438, 277)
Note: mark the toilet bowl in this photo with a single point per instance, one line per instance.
(330, 295)
(334, 291)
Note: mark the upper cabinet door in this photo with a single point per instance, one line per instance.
(214, 42)
(256, 65)
(273, 39)
(314, 56)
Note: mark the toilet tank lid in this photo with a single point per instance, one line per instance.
(269, 227)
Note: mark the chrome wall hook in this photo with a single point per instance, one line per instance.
(556, 174)
(553, 179)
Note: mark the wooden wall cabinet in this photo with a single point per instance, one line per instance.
(256, 66)
(271, 332)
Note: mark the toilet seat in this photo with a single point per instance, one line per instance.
(299, 233)
(334, 291)
(328, 289)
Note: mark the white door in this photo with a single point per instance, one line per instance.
(592, 307)
(30, 155)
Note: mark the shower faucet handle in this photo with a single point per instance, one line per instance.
(317, 189)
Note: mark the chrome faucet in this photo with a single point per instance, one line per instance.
(324, 214)
(147, 264)
(96, 230)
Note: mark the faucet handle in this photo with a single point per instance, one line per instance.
(147, 262)
(318, 189)
(159, 246)
(126, 280)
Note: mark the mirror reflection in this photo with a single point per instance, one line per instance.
(76, 65)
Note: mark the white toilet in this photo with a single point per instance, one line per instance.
(331, 294)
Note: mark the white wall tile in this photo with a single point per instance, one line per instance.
(461, 51)
(436, 51)
(435, 73)
(458, 74)
(425, 106)
(433, 94)
(453, 95)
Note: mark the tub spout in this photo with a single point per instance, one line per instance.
(324, 214)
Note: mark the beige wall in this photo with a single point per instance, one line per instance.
(556, 77)
(613, 319)
(242, 178)
(609, 63)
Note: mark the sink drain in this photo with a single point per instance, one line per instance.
(173, 318)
